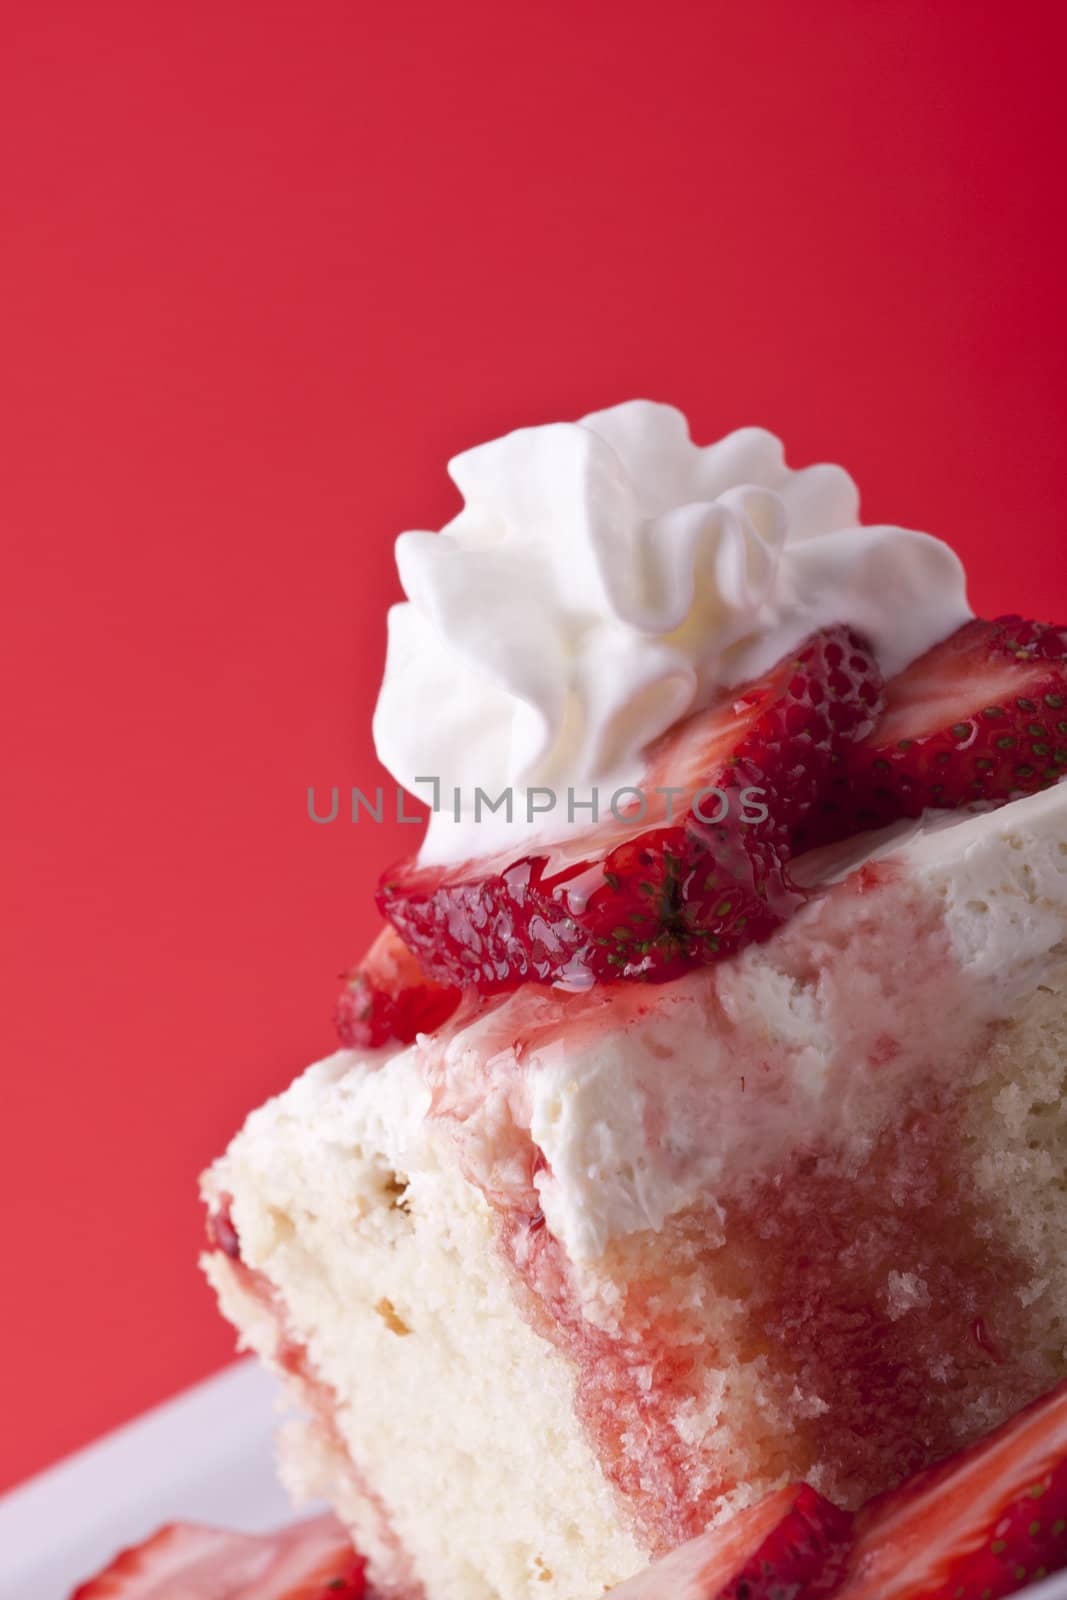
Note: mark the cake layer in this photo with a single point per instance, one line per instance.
(371, 1277)
(570, 1280)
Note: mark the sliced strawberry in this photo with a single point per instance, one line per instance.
(310, 1561)
(179, 1552)
(977, 1527)
(794, 1543)
(981, 716)
(693, 876)
(388, 997)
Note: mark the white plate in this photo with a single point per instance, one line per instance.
(205, 1457)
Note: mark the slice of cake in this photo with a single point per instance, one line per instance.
(561, 1284)
(672, 1160)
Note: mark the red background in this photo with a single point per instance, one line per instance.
(264, 268)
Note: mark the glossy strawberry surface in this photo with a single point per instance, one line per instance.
(980, 717)
(388, 998)
(695, 870)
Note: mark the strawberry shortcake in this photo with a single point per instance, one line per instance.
(696, 1129)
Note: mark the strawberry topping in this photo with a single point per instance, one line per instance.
(310, 1561)
(693, 871)
(980, 1526)
(977, 1527)
(980, 717)
(793, 1543)
(387, 997)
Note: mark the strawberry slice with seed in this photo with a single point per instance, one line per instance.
(312, 1560)
(697, 869)
(388, 998)
(791, 1544)
(980, 717)
(979, 1526)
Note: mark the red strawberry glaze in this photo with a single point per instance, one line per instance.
(291, 1356)
(628, 1387)
(388, 999)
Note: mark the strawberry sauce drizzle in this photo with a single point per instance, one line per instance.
(628, 1386)
(808, 1260)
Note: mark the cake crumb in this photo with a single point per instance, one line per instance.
(397, 1190)
(388, 1313)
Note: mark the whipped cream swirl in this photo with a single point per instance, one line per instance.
(607, 577)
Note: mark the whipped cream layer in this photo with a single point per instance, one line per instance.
(887, 980)
(606, 578)
(643, 1102)
(616, 1109)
